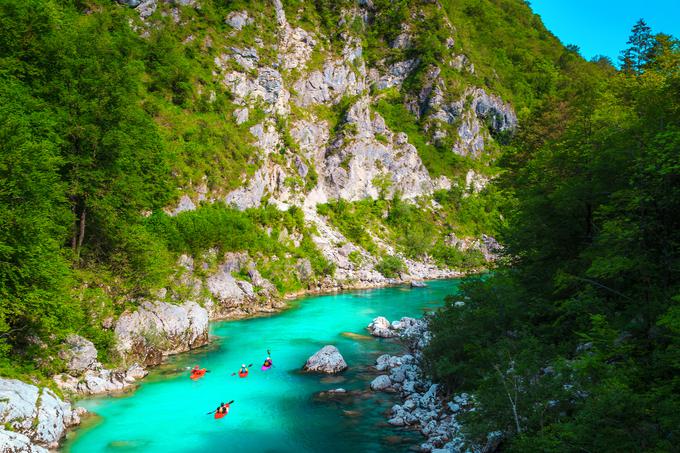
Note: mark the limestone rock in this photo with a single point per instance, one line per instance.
(267, 86)
(100, 380)
(396, 74)
(80, 354)
(380, 327)
(381, 383)
(357, 159)
(295, 44)
(185, 204)
(304, 269)
(37, 414)
(246, 57)
(159, 328)
(11, 442)
(238, 19)
(241, 115)
(327, 360)
(328, 86)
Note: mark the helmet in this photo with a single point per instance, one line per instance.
(243, 365)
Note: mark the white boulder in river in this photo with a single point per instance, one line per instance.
(380, 327)
(381, 383)
(32, 419)
(327, 360)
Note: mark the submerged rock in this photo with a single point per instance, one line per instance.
(327, 360)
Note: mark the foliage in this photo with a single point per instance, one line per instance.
(391, 266)
(216, 226)
(573, 346)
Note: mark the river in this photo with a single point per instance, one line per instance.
(275, 410)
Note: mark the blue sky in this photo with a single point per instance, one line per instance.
(602, 27)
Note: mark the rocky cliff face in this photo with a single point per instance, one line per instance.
(350, 157)
(159, 328)
(355, 156)
(32, 419)
(318, 137)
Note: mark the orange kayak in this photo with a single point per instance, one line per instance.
(195, 375)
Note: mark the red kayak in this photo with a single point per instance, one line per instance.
(197, 374)
(220, 414)
(242, 375)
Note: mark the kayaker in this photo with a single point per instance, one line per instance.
(223, 409)
(244, 369)
(267, 362)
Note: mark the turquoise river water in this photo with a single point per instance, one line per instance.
(276, 410)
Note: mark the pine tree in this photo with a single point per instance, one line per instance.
(641, 42)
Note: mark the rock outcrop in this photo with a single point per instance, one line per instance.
(381, 327)
(237, 297)
(156, 329)
(32, 419)
(486, 245)
(85, 375)
(100, 380)
(423, 405)
(327, 360)
(79, 354)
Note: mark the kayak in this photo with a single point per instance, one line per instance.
(265, 368)
(242, 375)
(220, 414)
(195, 375)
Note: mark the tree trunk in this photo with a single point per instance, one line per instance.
(81, 235)
(74, 234)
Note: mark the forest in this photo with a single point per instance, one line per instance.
(570, 343)
(573, 344)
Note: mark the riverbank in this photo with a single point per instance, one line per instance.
(282, 396)
(92, 378)
(423, 407)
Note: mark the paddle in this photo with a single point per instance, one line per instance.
(228, 404)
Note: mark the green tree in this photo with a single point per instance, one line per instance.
(637, 56)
